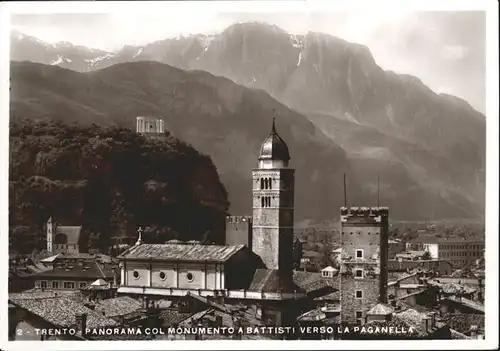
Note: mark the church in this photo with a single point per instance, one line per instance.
(256, 264)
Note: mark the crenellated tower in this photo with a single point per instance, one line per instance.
(273, 205)
(364, 242)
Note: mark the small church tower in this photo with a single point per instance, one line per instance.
(273, 205)
(50, 234)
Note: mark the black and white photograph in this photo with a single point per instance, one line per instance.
(290, 172)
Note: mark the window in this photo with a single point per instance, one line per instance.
(190, 277)
(262, 202)
(163, 276)
(44, 284)
(135, 275)
(55, 285)
(69, 285)
(359, 253)
(359, 294)
(82, 285)
(262, 183)
(359, 314)
(358, 273)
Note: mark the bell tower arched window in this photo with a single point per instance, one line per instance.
(262, 183)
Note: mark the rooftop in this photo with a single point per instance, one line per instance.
(118, 306)
(181, 252)
(93, 270)
(416, 319)
(313, 281)
(60, 311)
(454, 288)
(381, 310)
(466, 302)
(462, 322)
(271, 280)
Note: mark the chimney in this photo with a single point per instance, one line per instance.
(473, 331)
(433, 319)
(81, 321)
(218, 321)
(427, 324)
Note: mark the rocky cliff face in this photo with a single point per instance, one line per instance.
(418, 141)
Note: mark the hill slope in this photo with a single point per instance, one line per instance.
(216, 116)
(110, 180)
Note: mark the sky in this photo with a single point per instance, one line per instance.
(446, 50)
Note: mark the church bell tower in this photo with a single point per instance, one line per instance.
(273, 205)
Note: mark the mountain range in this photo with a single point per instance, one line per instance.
(337, 109)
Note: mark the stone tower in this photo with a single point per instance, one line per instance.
(273, 205)
(50, 235)
(363, 273)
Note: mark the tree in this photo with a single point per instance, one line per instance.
(426, 256)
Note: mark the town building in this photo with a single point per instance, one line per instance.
(74, 276)
(459, 252)
(441, 267)
(364, 241)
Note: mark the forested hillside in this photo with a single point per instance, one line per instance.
(110, 180)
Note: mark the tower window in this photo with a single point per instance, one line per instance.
(270, 183)
(359, 314)
(262, 183)
(359, 294)
(359, 254)
(262, 202)
(358, 273)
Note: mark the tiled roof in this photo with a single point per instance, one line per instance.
(50, 259)
(72, 232)
(454, 288)
(34, 294)
(118, 306)
(245, 313)
(457, 335)
(466, 302)
(312, 254)
(330, 269)
(311, 281)
(182, 252)
(172, 317)
(312, 316)
(99, 282)
(463, 321)
(94, 271)
(381, 310)
(272, 280)
(60, 311)
(393, 278)
(333, 296)
(416, 319)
